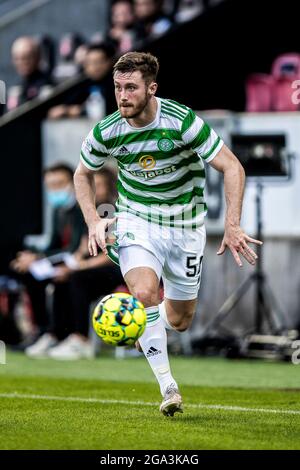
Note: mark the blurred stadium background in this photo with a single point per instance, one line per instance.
(227, 60)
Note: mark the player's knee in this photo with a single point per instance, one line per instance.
(147, 295)
(181, 329)
(182, 326)
(183, 323)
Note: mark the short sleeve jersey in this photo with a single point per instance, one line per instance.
(161, 166)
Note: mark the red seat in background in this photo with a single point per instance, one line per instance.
(285, 70)
(259, 92)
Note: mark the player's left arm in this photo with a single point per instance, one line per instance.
(234, 182)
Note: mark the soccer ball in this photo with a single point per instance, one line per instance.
(119, 319)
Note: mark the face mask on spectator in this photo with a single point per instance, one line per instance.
(61, 198)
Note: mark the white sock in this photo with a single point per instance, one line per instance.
(163, 316)
(154, 345)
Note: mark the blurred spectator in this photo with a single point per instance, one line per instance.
(97, 38)
(92, 278)
(67, 67)
(47, 48)
(80, 55)
(121, 32)
(95, 96)
(26, 57)
(151, 21)
(68, 228)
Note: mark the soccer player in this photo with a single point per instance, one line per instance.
(160, 147)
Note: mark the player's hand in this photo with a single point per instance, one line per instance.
(97, 235)
(57, 112)
(237, 241)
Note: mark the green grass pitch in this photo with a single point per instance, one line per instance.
(113, 404)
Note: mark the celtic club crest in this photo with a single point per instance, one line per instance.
(165, 145)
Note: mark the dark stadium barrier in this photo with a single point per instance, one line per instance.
(21, 170)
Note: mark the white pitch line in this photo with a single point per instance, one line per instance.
(144, 403)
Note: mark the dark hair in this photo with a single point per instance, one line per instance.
(144, 62)
(60, 167)
(106, 47)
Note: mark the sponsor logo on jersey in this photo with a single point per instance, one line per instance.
(165, 145)
(147, 162)
(152, 174)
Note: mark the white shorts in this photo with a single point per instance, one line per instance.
(174, 254)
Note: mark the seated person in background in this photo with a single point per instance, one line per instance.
(67, 230)
(95, 96)
(67, 66)
(121, 32)
(92, 278)
(79, 56)
(34, 82)
(151, 22)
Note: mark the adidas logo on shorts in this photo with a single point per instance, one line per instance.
(153, 352)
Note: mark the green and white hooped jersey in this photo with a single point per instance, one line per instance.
(161, 166)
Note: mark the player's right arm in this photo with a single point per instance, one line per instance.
(93, 155)
(85, 193)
